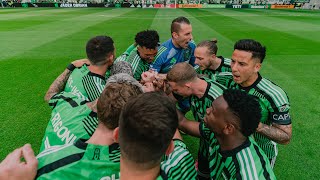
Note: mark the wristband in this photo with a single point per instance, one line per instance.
(71, 67)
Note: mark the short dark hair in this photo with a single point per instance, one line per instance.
(148, 39)
(181, 73)
(147, 125)
(175, 24)
(258, 51)
(245, 107)
(211, 45)
(112, 100)
(98, 48)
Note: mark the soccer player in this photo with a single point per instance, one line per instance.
(13, 168)
(99, 156)
(72, 118)
(183, 81)
(209, 63)
(146, 127)
(87, 82)
(143, 54)
(275, 124)
(227, 126)
(179, 48)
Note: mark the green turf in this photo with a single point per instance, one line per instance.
(38, 43)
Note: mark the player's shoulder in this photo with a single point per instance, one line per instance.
(192, 44)
(276, 93)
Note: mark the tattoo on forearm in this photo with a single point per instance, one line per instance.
(58, 84)
(278, 133)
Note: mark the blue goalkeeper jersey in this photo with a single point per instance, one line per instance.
(169, 55)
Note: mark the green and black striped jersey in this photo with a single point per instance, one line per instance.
(223, 68)
(247, 161)
(85, 84)
(80, 161)
(179, 164)
(138, 65)
(274, 103)
(200, 105)
(70, 120)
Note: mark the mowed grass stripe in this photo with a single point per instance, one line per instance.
(301, 86)
(296, 28)
(38, 35)
(162, 22)
(278, 42)
(37, 69)
(34, 12)
(207, 31)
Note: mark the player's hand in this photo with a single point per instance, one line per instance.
(80, 62)
(148, 76)
(12, 168)
(148, 87)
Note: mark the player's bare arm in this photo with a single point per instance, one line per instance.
(57, 85)
(278, 133)
(188, 126)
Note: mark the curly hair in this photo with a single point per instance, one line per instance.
(148, 39)
(245, 107)
(258, 51)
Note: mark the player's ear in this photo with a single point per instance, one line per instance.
(170, 148)
(257, 66)
(174, 34)
(228, 129)
(116, 134)
(188, 85)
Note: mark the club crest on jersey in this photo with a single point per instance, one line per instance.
(96, 155)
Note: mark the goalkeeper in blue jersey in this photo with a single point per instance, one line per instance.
(179, 48)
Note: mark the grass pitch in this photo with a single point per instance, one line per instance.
(38, 43)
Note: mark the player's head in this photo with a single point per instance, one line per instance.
(205, 53)
(121, 67)
(180, 78)
(100, 50)
(119, 89)
(181, 32)
(148, 42)
(246, 61)
(234, 111)
(147, 125)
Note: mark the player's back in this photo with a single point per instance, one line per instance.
(80, 161)
(70, 120)
(85, 84)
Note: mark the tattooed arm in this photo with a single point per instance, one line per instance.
(57, 85)
(278, 133)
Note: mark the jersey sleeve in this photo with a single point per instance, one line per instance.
(179, 164)
(160, 58)
(204, 131)
(281, 115)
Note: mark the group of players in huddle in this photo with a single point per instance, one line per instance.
(138, 102)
